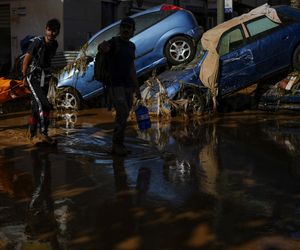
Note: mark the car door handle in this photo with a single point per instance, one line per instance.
(232, 59)
(245, 56)
(285, 37)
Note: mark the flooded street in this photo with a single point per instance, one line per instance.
(225, 182)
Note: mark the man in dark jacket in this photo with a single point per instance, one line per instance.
(123, 80)
(36, 75)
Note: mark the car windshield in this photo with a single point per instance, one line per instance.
(92, 47)
(200, 52)
(143, 22)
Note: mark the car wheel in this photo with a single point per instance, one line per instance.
(196, 104)
(296, 58)
(68, 98)
(196, 100)
(179, 50)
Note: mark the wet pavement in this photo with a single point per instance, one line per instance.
(224, 182)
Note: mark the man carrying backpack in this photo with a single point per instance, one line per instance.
(36, 75)
(123, 80)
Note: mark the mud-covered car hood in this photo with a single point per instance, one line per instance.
(173, 79)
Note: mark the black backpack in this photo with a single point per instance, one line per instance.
(101, 68)
(24, 44)
(102, 64)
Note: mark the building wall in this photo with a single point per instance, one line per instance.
(82, 19)
(253, 3)
(113, 10)
(123, 9)
(5, 55)
(29, 17)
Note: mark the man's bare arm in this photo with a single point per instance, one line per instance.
(26, 61)
(135, 81)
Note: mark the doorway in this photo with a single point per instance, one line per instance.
(107, 13)
(5, 40)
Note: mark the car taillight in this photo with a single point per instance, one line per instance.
(166, 7)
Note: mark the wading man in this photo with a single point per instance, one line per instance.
(36, 75)
(123, 80)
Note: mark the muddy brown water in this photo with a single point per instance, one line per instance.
(224, 182)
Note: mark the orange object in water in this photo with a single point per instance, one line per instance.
(11, 89)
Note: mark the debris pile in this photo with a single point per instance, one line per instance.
(188, 101)
(285, 94)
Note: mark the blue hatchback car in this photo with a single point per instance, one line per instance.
(243, 60)
(164, 34)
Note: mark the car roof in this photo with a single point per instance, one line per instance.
(159, 8)
(150, 10)
(211, 37)
(153, 9)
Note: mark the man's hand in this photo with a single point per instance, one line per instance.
(104, 47)
(25, 80)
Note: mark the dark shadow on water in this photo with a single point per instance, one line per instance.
(229, 182)
(41, 226)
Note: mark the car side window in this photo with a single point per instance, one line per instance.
(92, 48)
(230, 41)
(260, 26)
(145, 21)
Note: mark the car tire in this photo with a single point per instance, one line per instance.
(68, 98)
(179, 50)
(296, 58)
(197, 101)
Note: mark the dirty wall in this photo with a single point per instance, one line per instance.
(30, 17)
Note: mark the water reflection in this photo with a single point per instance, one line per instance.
(208, 164)
(41, 227)
(120, 219)
(15, 189)
(226, 183)
(286, 135)
(66, 120)
(14, 182)
(253, 181)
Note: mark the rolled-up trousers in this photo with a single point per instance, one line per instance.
(39, 104)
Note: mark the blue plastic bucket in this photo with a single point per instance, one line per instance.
(142, 117)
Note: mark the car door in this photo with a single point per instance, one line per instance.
(237, 61)
(273, 41)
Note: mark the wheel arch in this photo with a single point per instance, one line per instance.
(62, 88)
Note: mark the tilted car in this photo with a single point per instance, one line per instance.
(235, 55)
(164, 34)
